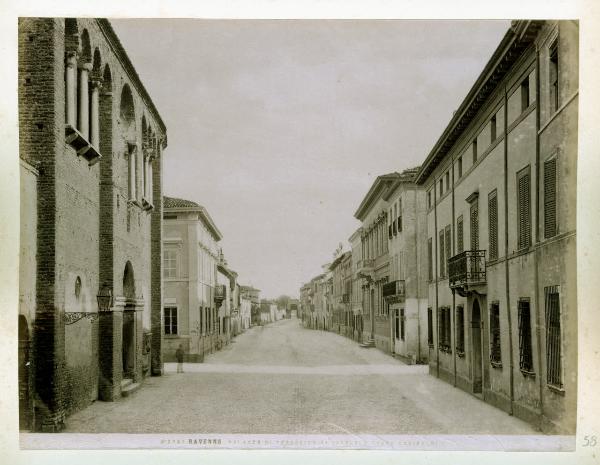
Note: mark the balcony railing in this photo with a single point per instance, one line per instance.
(467, 269)
(394, 292)
(220, 293)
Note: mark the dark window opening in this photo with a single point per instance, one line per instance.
(495, 348)
(525, 353)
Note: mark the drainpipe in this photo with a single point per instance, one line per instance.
(452, 251)
(537, 224)
(418, 270)
(510, 344)
(435, 270)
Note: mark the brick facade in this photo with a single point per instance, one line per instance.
(83, 113)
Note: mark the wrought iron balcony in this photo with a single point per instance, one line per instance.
(466, 269)
(394, 292)
(220, 293)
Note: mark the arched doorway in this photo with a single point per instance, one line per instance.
(24, 368)
(476, 347)
(128, 332)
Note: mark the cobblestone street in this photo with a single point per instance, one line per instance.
(284, 379)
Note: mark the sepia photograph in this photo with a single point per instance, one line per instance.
(298, 234)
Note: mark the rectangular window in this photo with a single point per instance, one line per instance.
(459, 235)
(441, 186)
(523, 209)
(170, 264)
(495, 349)
(170, 320)
(460, 329)
(447, 180)
(442, 258)
(525, 94)
(525, 354)
(430, 327)
(474, 226)
(493, 128)
(550, 223)
(553, 76)
(448, 244)
(430, 258)
(397, 328)
(474, 148)
(400, 215)
(402, 323)
(429, 199)
(201, 321)
(444, 329)
(460, 167)
(553, 337)
(493, 224)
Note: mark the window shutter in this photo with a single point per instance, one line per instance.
(442, 260)
(459, 235)
(474, 227)
(524, 210)
(493, 224)
(550, 228)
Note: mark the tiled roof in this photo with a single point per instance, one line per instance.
(173, 202)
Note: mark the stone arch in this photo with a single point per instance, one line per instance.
(127, 114)
(71, 35)
(128, 281)
(86, 47)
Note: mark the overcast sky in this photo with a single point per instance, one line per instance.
(279, 128)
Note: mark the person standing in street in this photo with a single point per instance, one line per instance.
(179, 356)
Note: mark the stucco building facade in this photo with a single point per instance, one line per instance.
(501, 186)
(93, 143)
(192, 295)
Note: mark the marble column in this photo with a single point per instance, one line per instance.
(71, 76)
(95, 113)
(84, 103)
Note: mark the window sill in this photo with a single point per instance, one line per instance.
(496, 364)
(81, 145)
(135, 203)
(557, 389)
(529, 374)
(460, 353)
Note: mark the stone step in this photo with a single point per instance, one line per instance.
(126, 382)
(366, 345)
(130, 389)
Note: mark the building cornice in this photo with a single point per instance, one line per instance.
(377, 191)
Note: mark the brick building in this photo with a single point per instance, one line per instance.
(91, 141)
(192, 296)
(501, 186)
(406, 292)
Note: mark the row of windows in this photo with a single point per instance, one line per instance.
(525, 92)
(526, 365)
(524, 233)
(374, 242)
(208, 321)
(395, 219)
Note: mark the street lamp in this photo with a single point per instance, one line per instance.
(105, 299)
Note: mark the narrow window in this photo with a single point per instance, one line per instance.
(495, 350)
(460, 167)
(430, 326)
(402, 323)
(400, 215)
(459, 235)
(442, 258)
(430, 258)
(493, 224)
(523, 209)
(200, 321)
(131, 172)
(170, 320)
(447, 180)
(460, 329)
(429, 199)
(525, 94)
(474, 226)
(448, 243)
(448, 328)
(441, 186)
(474, 148)
(493, 128)
(397, 329)
(170, 264)
(553, 337)
(441, 328)
(553, 76)
(525, 355)
(550, 223)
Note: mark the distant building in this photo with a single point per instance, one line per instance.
(342, 317)
(192, 294)
(253, 295)
(245, 313)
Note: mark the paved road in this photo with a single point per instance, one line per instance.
(283, 379)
